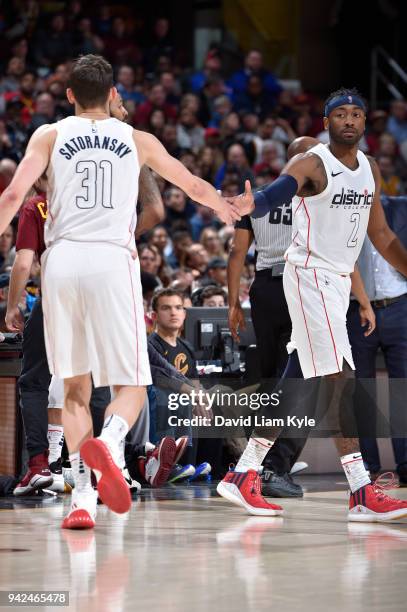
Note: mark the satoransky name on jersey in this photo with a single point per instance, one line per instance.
(81, 143)
(352, 199)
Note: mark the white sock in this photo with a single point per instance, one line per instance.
(55, 442)
(114, 430)
(120, 457)
(355, 471)
(253, 454)
(80, 473)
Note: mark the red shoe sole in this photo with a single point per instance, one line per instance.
(112, 488)
(78, 519)
(166, 454)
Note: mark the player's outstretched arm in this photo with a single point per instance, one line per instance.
(281, 191)
(383, 238)
(31, 167)
(153, 154)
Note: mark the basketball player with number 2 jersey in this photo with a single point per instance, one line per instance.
(335, 193)
(93, 308)
(328, 234)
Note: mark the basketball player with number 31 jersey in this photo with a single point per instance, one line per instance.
(92, 297)
(93, 309)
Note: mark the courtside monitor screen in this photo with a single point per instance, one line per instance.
(205, 326)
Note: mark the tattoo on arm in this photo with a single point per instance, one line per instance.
(148, 190)
(152, 206)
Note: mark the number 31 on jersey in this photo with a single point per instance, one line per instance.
(96, 184)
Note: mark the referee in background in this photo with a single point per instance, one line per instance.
(271, 320)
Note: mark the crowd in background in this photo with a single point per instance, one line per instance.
(225, 127)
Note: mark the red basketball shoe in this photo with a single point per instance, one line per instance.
(112, 488)
(371, 504)
(38, 476)
(159, 462)
(244, 489)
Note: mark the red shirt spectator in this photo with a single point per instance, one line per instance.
(156, 99)
(31, 223)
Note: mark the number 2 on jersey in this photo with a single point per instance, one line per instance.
(353, 238)
(97, 184)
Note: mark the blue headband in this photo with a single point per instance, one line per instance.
(341, 101)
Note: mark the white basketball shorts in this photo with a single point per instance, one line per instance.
(318, 301)
(93, 314)
(56, 393)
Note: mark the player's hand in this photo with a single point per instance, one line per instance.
(245, 201)
(236, 321)
(117, 109)
(228, 213)
(14, 320)
(367, 317)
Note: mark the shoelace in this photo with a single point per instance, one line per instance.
(383, 483)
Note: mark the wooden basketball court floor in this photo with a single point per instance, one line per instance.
(183, 548)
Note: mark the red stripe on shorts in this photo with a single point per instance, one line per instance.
(305, 321)
(135, 322)
(327, 318)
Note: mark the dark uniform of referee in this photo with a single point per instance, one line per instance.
(272, 325)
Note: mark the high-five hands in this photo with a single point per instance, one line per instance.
(245, 201)
(237, 206)
(228, 213)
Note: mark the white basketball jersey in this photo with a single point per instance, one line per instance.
(329, 228)
(92, 183)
